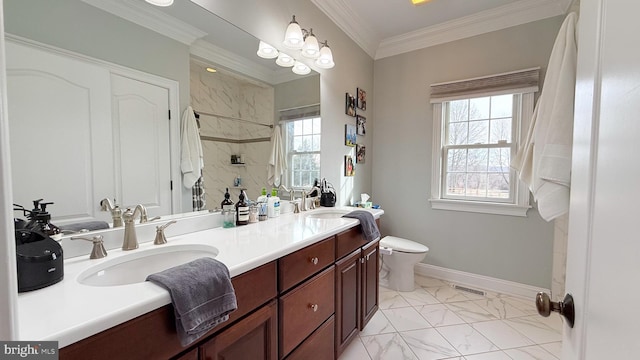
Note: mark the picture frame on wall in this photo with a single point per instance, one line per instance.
(362, 99)
(360, 153)
(360, 125)
(349, 167)
(350, 105)
(350, 135)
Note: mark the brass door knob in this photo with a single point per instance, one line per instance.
(545, 306)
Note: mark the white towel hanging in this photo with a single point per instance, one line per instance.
(544, 159)
(191, 160)
(277, 161)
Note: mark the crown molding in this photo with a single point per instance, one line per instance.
(155, 20)
(503, 17)
(231, 61)
(351, 23)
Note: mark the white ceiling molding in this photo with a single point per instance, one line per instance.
(155, 20)
(231, 61)
(351, 23)
(503, 17)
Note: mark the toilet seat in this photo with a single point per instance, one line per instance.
(403, 245)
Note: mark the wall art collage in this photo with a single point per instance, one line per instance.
(354, 107)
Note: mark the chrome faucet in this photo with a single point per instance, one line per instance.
(129, 216)
(116, 212)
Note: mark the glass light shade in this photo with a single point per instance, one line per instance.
(284, 60)
(160, 2)
(301, 68)
(267, 51)
(293, 37)
(311, 49)
(325, 60)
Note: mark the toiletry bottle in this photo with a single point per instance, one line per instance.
(227, 203)
(273, 205)
(262, 205)
(242, 211)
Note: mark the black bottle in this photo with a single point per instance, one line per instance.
(242, 211)
(227, 203)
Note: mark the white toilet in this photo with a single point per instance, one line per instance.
(399, 264)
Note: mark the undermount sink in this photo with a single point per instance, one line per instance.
(328, 214)
(135, 266)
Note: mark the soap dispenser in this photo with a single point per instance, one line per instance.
(227, 203)
(242, 211)
(43, 223)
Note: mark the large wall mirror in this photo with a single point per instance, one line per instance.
(114, 148)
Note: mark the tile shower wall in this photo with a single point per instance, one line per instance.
(230, 95)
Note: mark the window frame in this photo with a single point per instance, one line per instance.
(519, 205)
(288, 153)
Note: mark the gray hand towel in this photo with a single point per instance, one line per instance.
(202, 296)
(367, 223)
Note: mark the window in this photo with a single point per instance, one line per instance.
(302, 139)
(476, 133)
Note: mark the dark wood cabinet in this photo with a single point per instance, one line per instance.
(370, 282)
(319, 346)
(356, 285)
(254, 337)
(347, 299)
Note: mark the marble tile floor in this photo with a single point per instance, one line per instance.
(436, 321)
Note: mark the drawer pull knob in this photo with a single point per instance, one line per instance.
(314, 260)
(313, 307)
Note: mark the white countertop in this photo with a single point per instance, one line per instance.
(69, 311)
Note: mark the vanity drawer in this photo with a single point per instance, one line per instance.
(304, 308)
(296, 267)
(254, 288)
(349, 240)
(318, 346)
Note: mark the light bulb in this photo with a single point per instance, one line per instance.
(311, 49)
(284, 60)
(301, 68)
(293, 37)
(325, 60)
(267, 51)
(160, 2)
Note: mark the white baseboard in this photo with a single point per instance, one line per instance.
(479, 282)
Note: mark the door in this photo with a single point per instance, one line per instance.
(74, 143)
(370, 281)
(603, 251)
(142, 145)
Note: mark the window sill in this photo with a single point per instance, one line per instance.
(480, 207)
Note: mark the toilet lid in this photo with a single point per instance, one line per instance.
(403, 245)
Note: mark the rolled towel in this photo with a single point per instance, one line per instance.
(202, 296)
(87, 225)
(367, 223)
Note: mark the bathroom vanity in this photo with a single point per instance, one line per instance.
(305, 283)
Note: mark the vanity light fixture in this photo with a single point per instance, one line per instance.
(267, 51)
(160, 2)
(305, 45)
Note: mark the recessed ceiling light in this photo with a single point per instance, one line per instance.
(160, 2)
(211, 70)
(419, 2)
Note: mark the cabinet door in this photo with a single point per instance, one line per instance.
(254, 337)
(347, 299)
(370, 282)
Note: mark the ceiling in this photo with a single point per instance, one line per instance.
(385, 28)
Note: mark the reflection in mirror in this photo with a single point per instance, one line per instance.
(254, 89)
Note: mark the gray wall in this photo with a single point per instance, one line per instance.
(505, 247)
